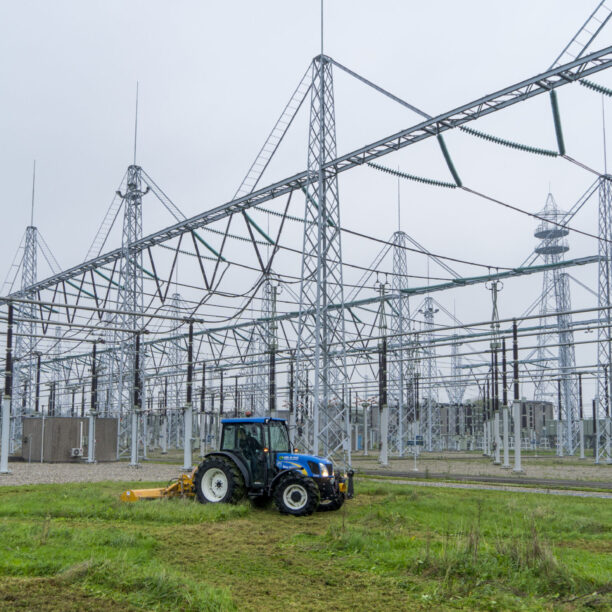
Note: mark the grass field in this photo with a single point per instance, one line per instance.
(76, 547)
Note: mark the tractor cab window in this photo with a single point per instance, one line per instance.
(241, 437)
(279, 440)
(228, 442)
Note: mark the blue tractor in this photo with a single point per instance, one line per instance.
(255, 459)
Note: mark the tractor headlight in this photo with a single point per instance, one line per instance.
(324, 472)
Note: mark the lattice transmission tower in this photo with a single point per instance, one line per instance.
(430, 420)
(456, 391)
(25, 342)
(321, 327)
(604, 352)
(130, 303)
(402, 407)
(263, 371)
(176, 360)
(556, 366)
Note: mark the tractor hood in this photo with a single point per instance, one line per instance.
(308, 463)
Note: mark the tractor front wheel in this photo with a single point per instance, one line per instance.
(296, 494)
(218, 480)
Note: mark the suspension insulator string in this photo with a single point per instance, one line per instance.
(557, 119)
(508, 143)
(412, 177)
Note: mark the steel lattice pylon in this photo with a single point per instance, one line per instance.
(130, 302)
(431, 419)
(321, 283)
(604, 352)
(25, 343)
(567, 365)
(551, 248)
(58, 375)
(108, 369)
(402, 408)
(556, 300)
(456, 391)
(176, 357)
(265, 344)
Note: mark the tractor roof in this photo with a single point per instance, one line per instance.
(252, 420)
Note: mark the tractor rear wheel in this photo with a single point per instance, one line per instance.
(218, 480)
(296, 494)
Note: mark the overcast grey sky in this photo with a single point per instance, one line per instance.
(213, 78)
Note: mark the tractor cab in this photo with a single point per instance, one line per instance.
(257, 441)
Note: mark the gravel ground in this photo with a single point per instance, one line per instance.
(554, 468)
(549, 468)
(452, 485)
(50, 473)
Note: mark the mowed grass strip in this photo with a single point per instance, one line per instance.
(76, 547)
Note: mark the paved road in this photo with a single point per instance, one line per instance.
(543, 482)
(485, 487)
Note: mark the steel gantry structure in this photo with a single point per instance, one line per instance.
(121, 294)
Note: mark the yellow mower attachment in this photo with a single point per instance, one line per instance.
(182, 487)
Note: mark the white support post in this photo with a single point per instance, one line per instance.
(559, 438)
(383, 458)
(187, 429)
(596, 426)
(134, 440)
(484, 438)
(608, 440)
(516, 409)
(581, 438)
(496, 438)
(365, 431)
(91, 437)
(145, 435)
(202, 434)
(506, 463)
(164, 434)
(6, 430)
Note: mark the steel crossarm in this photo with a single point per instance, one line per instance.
(547, 81)
(461, 282)
(389, 298)
(393, 296)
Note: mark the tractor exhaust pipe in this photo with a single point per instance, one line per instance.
(350, 491)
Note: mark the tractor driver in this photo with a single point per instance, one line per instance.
(251, 450)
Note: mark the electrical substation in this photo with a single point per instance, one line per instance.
(262, 305)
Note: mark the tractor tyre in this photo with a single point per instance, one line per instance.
(296, 494)
(218, 481)
(334, 503)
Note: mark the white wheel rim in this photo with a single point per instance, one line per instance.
(214, 485)
(295, 497)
